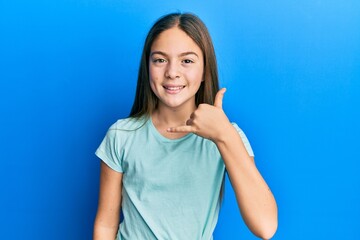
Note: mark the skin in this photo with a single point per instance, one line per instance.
(107, 218)
(256, 202)
(176, 72)
(175, 62)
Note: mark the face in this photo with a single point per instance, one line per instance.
(176, 69)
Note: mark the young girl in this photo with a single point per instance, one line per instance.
(164, 166)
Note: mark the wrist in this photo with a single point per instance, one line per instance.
(226, 134)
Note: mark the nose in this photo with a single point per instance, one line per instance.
(172, 71)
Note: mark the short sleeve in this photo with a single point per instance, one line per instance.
(244, 140)
(109, 150)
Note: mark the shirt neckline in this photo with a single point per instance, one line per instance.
(162, 138)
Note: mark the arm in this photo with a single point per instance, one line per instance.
(256, 202)
(107, 218)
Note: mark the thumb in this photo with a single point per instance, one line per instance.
(219, 98)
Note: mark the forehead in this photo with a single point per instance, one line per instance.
(175, 40)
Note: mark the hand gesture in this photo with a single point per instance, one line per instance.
(207, 121)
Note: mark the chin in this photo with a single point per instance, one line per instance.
(172, 104)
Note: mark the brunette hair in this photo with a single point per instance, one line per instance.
(145, 100)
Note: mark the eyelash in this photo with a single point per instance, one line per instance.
(161, 60)
(187, 61)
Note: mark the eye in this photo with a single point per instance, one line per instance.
(187, 61)
(158, 60)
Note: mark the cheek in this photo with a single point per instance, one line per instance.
(154, 74)
(153, 80)
(196, 75)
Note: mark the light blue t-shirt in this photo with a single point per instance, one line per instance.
(171, 187)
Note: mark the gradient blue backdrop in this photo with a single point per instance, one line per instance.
(68, 70)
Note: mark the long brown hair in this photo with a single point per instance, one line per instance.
(145, 100)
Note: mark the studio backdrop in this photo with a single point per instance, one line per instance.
(68, 70)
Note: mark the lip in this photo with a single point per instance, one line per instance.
(173, 89)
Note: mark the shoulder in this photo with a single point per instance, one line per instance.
(123, 129)
(244, 139)
(240, 131)
(128, 124)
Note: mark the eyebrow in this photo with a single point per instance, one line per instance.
(180, 55)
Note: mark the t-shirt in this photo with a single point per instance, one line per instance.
(171, 187)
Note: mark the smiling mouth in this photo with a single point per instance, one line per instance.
(174, 88)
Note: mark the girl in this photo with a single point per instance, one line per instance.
(164, 166)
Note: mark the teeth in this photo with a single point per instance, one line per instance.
(174, 88)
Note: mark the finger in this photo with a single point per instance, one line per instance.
(219, 98)
(181, 129)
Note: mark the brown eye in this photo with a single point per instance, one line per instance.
(159, 60)
(187, 61)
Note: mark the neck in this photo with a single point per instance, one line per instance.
(172, 116)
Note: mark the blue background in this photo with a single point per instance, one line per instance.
(68, 70)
